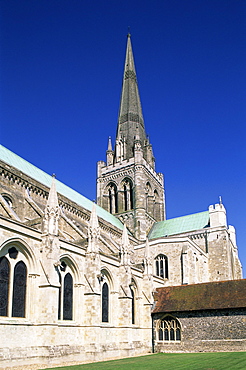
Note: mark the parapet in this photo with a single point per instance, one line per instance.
(217, 215)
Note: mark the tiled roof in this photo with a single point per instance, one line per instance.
(179, 225)
(213, 295)
(34, 172)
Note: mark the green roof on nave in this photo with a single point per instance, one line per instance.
(160, 229)
(34, 172)
(179, 225)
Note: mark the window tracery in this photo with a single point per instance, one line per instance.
(168, 329)
(13, 284)
(161, 265)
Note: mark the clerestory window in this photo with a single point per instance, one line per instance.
(161, 266)
(168, 329)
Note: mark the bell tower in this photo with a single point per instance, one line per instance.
(127, 184)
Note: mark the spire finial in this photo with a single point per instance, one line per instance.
(129, 34)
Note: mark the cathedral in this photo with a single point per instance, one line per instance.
(83, 281)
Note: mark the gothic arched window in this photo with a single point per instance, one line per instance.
(128, 195)
(113, 198)
(65, 299)
(105, 302)
(19, 290)
(168, 329)
(13, 284)
(133, 304)
(4, 286)
(8, 200)
(161, 265)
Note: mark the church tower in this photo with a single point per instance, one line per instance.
(127, 184)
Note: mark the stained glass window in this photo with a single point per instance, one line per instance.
(4, 286)
(19, 290)
(105, 302)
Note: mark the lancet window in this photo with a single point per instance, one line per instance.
(161, 266)
(128, 195)
(105, 302)
(113, 198)
(168, 329)
(65, 303)
(13, 284)
(133, 304)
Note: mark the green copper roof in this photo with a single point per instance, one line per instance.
(179, 225)
(29, 169)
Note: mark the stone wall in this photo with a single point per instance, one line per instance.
(207, 331)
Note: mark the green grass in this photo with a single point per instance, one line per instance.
(172, 361)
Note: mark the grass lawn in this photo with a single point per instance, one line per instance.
(172, 361)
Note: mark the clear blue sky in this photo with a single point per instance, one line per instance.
(61, 73)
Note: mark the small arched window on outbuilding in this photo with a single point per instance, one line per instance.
(13, 284)
(65, 299)
(168, 329)
(161, 266)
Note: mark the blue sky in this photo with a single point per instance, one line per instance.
(61, 72)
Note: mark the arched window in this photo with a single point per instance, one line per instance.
(161, 265)
(112, 198)
(8, 200)
(19, 290)
(128, 195)
(13, 284)
(156, 204)
(133, 305)
(105, 303)
(4, 286)
(168, 329)
(65, 299)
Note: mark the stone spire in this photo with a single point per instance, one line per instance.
(130, 122)
(52, 210)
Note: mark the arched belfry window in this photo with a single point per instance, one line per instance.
(105, 302)
(168, 329)
(65, 299)
(128, 195)
(112, 198)
(13, 284)
(157, 206)
(161, 266)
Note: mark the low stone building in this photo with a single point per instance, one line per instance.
(77, 278)
(208, 317)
